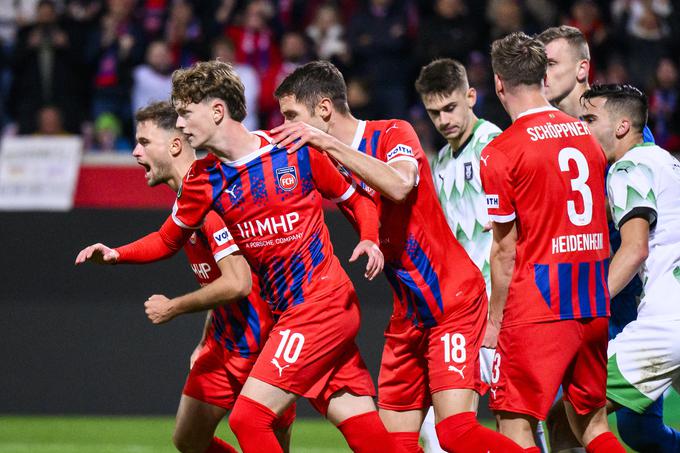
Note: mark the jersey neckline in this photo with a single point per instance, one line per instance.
(358, 134)
(545, 108)
(255, 154)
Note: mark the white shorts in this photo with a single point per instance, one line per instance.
(644, 360)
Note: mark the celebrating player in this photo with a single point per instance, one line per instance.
(644, 187)
(234, 332)
(543, 177)
(431, 353)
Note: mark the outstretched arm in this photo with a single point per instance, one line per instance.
(233, 285)
(630, 256)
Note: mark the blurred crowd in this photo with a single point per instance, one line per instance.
(84, 66)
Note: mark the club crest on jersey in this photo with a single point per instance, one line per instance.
(287, 178)
(468, 171)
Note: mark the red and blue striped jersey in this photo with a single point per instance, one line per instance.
(546, 173)
(241, 326)
(429, 271)
(271, 202)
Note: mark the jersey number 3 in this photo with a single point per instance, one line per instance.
(578, 184)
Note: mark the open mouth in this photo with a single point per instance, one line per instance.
(147, 168)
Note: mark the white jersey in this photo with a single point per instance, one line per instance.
(462, 198)
(646, 182)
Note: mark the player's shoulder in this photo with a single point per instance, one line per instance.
(484, 132)
(389, 127)
(213, 223)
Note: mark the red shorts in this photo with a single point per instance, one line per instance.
(533, 360)
(311, 350)
(218, 375)
(418, 362)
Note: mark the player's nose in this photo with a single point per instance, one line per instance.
(180, 123)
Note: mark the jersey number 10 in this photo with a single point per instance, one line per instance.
(578, 184)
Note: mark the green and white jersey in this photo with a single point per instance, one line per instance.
(462, 198)
(646, 182)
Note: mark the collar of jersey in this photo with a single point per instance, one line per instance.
(255, 154)
(361, 127)
(546, 108)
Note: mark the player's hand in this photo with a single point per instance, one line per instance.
(159, 309)
(289, 132)
(376, 260)
(491, 335)
(99, 254)
(488, 227)
(195, 354)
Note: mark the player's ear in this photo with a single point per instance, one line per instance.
(471, 97)
(175, 146)
(498, 85)
(622, 127)
(324, 109)
(218, 110)
(583, 71)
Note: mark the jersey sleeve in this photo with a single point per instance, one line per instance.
(194, 199)
(495, 169)
(219, 238)
(630, 187)
(328, 180)
(401, 144)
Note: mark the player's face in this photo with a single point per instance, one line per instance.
(197, 122)
(153, 152)
(562, 70)
(451, 114)
(293, 110)
(601, 124)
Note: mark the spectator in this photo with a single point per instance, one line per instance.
(450, 32)
(152, 81)
(664, 105)
(50, 121)
(153, 18)
(294, 53)
(505, 16)
(480, 78)
(377, 36)
(327, 33)
(359, 99)
(108, 134)
(223, 50)
(184, 35)
(44, 72)
(116, 47)
(586, 16)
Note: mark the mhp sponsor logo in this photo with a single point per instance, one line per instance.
(400, 150)
(287, 178)
(223, 236)
(492, 201)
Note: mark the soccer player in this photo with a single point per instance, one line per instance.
(271, 201)
(566, 81)
(644, 188)
(543, 177)
(431, 354)
(234, 332)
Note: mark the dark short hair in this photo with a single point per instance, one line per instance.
(314, 81)
(519, 59)
(574, 37)
(162, 114)
(441, 78)
(621, 99)
(210, 79)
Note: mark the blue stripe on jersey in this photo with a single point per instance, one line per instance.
(217, 182)
(362, 145)
(542, 280)
(564, 278)
(397, 288)
(297, 270)
(583, 289)
(239, 336)
(424, 267)
(374, 143)
(233, 185)
(305, 168)
(250, 315)
(418, 299)
(279, 279)
(266, 290)
(279, 160)
(218, 318)
(601, 272)
(258, 188)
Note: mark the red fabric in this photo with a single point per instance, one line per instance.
(155, 246)
(532, 450)
(408, 441)
(414, 362)
(527, 382)
(366, 433)
(217, 445)
(364, 215)
(252, 423)
(462, 433)
(605, 443)
(287, 418)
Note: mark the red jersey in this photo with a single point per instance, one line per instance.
(547, 173)
(241, 326)
(271, 201)
(429, 271)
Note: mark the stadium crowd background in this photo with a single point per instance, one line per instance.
(84, 66)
